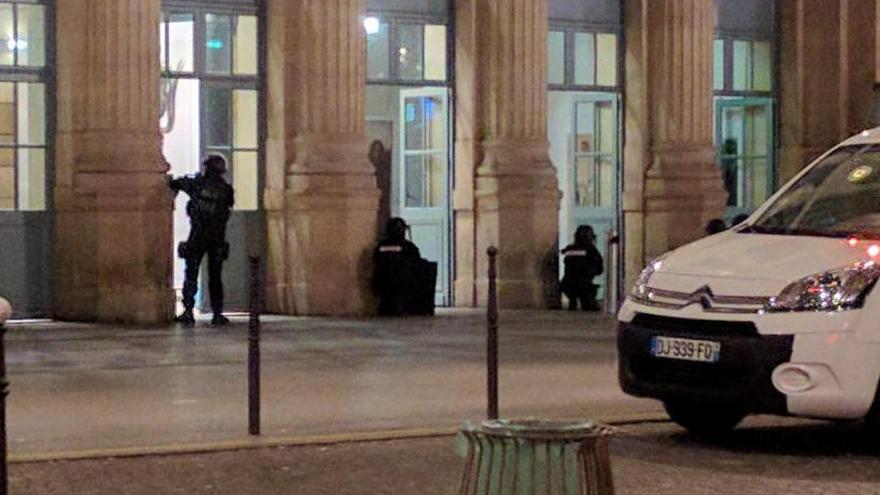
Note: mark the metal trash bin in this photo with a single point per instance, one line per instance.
(536, 457)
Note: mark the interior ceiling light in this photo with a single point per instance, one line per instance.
(371, 25)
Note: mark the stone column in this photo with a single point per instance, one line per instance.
(321, 192)
(113, 231)
(672, 185)
(827, 74)
(506, 192)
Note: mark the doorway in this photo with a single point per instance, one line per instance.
(211, 104)
(584, 140)
(423, 192)
(413, 123)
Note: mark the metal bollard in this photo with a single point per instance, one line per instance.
(254, 349)
(612, 254)
(492, 337)
(5, 314)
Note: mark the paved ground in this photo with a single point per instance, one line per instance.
(81, 388)
(765, 456)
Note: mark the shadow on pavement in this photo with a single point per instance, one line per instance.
(805, 450)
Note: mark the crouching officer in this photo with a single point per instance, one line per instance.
(394, 261)
(582, 263)
(210, 201)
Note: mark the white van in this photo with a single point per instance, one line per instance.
(777, 315)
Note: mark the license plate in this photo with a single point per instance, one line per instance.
(705, 351)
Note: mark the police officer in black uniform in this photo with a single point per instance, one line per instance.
(210, 202)
(582, 263)
(394, 261)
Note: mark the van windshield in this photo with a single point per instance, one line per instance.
(838, 197)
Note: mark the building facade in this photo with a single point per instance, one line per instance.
(483, 123)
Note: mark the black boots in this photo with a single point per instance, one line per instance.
(186, 318)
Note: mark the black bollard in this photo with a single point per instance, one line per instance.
(4, 391)
(492, 337)
(254, 349)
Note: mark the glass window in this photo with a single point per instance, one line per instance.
(409, 48)
(245, 119)
(7, 179)
(7, 113)
(415, 124)
(7, 35)
(425, 180)
(378, 65)
(836, 197)
(31, 179)
(718, 63)
(30, 42)
(218, 38)
(180, 44)
(31, 114)
(217, 111)
(556, 57)
(22, 146)
(762, 60)
(606, 59)
(742, 66)
(246, 41)
(7, 154)
(585, 59)
(435, 52)
(245, 180)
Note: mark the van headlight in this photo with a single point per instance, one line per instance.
(640, 289)
(834, 290)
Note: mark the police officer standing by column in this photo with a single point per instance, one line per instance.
(210, 202)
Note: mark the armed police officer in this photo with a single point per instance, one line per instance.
(582, 264)
(210, 202)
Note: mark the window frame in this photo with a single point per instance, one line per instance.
(45, 75)
(394, 20)
(230, 82)
(570, 30)
(729, 38)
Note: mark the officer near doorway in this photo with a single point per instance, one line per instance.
(210, 203)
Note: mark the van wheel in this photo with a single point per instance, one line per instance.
(703, 419)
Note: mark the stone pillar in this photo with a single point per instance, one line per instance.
(506, 192)
(321, 192)
(113, 231)
(672, 185)
(827, 74)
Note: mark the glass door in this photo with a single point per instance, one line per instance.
(423, 161)
(594, 178)
(744, 143)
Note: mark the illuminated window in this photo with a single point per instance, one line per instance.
(23, 139)
(582, 59)
(405, 51)
(556, 57)
(210, 100)
(743, 65)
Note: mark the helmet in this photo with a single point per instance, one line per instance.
(214, 164)
(395, 228)
(584, 235)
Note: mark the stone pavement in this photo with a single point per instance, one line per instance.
(82, 390)
(765, 456)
